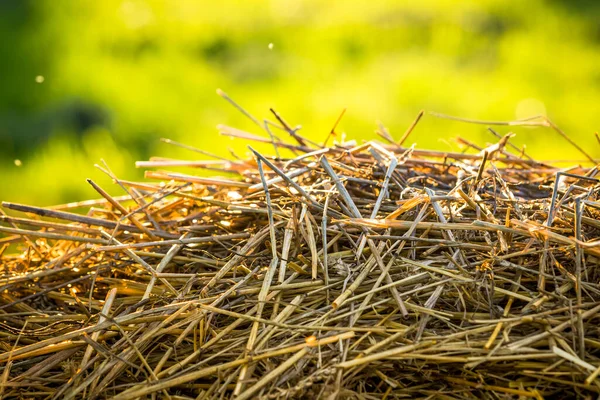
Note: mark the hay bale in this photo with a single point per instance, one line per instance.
(351, 271)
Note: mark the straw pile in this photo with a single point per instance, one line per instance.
(352, 271)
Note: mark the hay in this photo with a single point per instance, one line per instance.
(353, 271)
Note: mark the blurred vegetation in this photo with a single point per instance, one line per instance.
(90, 80)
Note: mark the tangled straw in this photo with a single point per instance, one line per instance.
(370, 271)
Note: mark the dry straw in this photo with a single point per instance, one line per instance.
(370, 271)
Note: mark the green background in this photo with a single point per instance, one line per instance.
(119, 75)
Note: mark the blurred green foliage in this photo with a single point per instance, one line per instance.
(85, 80)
